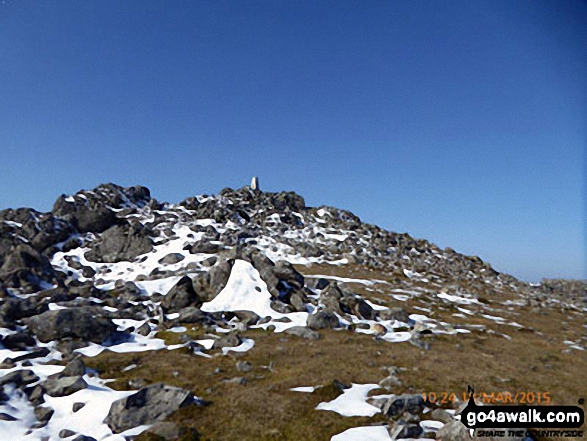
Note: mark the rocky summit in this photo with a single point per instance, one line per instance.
(248, 315)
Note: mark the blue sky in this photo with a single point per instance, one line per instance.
(462, 122)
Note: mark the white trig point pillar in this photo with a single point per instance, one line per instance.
(255, 183)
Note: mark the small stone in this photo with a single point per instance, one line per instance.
(43, 414)
(78, 406)
(244, 366)
(7, 417)
(66, 433)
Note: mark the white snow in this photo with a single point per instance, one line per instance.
(367, 433)
(19, 407)
(431, 425)
(12, 224)
(457, 299)
(137, 343)
(305, 389)
(247, 344)
(376, 307)
(367, 282)
(207, 343)
(89, 419)
(352, 402)
(245, 290)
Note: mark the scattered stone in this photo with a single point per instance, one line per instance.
(171, 259)
(181, 296)
(66, 433)
(441, 415)
(147, 406)
(77, 406)
(412, 403)
(84, 323)
(43, 414)
(18, 341)
(84, 438)
(75, 367)
(120, 243)
(227, 341)
(322, 320)
(20, 378)
(37, 353)
(453, 431)
(6, 417)
(63, 386)
(244, 366)
(302, 331)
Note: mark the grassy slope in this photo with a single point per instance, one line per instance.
(265, 409)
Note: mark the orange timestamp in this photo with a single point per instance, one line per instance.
(503, 397)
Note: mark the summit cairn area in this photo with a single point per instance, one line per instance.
(248, 315)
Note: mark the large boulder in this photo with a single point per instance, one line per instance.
(181, 296)
(85, 218)
(120, 243)
(41, 230)
(62, 386)
(92, 211)
(208, 285)
(16, 308)
(84, 323)
(322, 320)
(27, 269)
(147, 406)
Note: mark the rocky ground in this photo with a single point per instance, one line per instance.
(248, 315)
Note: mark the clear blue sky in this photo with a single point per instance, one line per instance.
(460, 122)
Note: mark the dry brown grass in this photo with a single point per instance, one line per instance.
(534, 360)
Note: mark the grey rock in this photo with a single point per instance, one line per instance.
(244, 366)
(63, 386)
(7, 417)
(84, 323)
(398, 314)
(453, 431)
(120, 243)
(18, 341)
(75, 367)
(205, 247)
(36, 394)
(37, 353)
(144, 329)
(208, 285)
(66, 433)
(322, 320)
(412, 403)
(409, 431)
(441, 415)
(27, 269)
(20, 378)
(147, 406)
(181, 296)
(249, 318)
(281, 307)
(171, 259)
(302, 331)
(43, 414)
(16, 309)
(227, 341)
